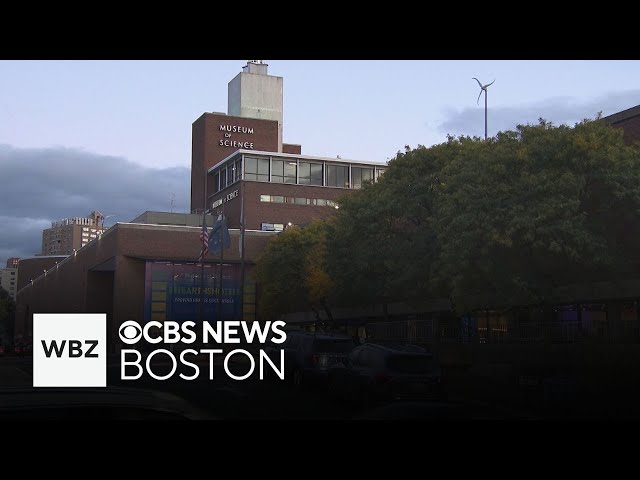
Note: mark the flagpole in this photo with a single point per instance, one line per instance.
(242, 229)
(204, 219)
(221, 260)
(201, 308)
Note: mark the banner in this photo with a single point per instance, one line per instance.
(173, 292)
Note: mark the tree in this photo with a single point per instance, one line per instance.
(7, 316)
(537, 208)
(509, 219)
(291, 272)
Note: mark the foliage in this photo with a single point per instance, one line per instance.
(7, 312)
(291, 272)
(507, 220)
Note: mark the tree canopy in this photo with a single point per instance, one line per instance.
(291, 272)
(512, 218)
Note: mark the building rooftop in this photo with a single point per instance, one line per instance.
(621, 116)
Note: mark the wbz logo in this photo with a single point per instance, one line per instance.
(69, 350)
(75, 348)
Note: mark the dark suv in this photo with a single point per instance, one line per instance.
(308, 356)
(377, 372)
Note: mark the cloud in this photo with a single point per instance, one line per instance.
(559, 110)
(38, 186)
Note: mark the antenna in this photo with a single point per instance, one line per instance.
(173, 201)
(483, 88)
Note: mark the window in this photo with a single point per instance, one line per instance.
(223, 178)
(238, 169)
(283, 171)
(300, 201)
(231, 173)
(361, 175)
(272, 198)
(216, 182)
(337, 176)
(256, 169)
(272, 227)
(379, 172)
(310, 173)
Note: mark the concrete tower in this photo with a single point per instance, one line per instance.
(253, 93)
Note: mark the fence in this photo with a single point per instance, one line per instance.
(501, 331)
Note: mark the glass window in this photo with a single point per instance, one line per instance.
(361, 175)
(300, 201)
(256, 169)
(238, 169)
(265, 198)
(283, 171)
(337, 176)
(310, 173)
(216, 182)
(223, 178)
(277, 198)
(379, 172)
(321, 202)
(231, 173)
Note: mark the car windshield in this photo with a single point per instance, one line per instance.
(410, 363)
(330, 345)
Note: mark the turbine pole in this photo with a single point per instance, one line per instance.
(486, 92)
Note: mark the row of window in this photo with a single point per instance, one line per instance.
(294, 171)
(320, 202)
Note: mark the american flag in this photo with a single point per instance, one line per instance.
(204, 239)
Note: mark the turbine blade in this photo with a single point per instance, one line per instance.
(490, 84)
(474, 78)
(479, 95)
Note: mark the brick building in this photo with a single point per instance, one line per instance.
(629, 121)
(71, 234)
(148, 269)
(13, 262)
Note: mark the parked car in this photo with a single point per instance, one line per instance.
(308, 356)
(374, 373)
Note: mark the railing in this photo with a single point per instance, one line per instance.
(459, 331)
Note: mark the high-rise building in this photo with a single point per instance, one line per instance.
(71, 234)
(9, 280)
(13, 262)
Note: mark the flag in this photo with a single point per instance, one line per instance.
(204, 240)
(219, 238)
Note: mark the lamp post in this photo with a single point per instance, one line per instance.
(108, 216)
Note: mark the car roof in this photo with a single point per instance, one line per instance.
(399, 348)
(325, 336)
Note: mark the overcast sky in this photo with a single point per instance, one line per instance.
(116, 135)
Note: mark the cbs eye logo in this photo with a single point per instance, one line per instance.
(130, 332)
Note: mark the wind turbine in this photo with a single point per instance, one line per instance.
(483, 88)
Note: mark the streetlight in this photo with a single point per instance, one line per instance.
(108, 216)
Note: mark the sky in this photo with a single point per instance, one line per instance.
(116, 135)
